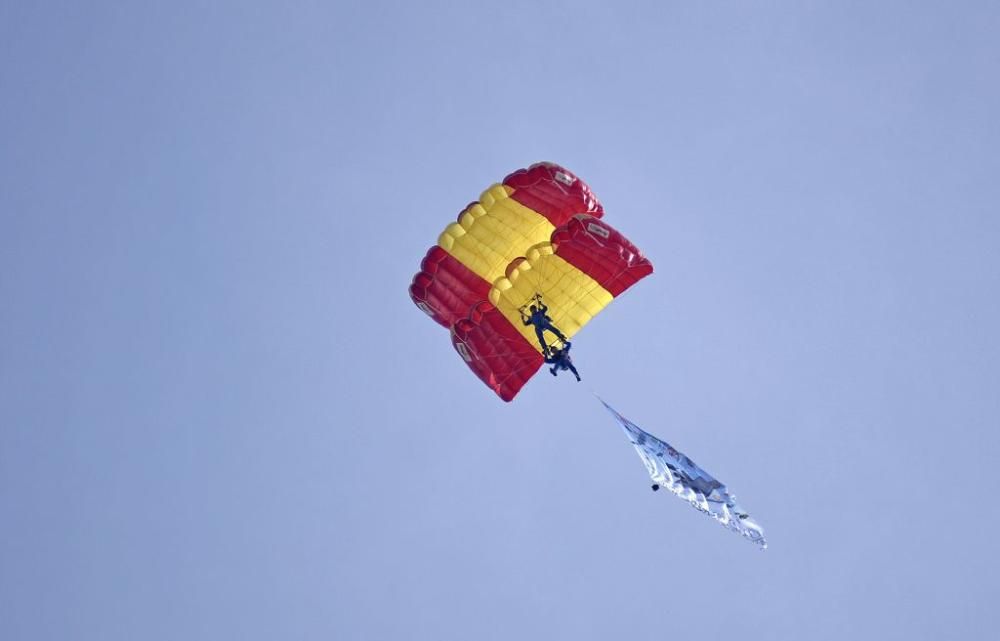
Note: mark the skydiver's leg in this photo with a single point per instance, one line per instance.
(573, 369)
(541, 339)
(555, 330)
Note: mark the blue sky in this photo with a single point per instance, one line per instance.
(222, 417)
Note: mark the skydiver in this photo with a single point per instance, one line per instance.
(560, 360)
(542, 322)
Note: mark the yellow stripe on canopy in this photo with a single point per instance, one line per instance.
(493, 232)
(573, 297)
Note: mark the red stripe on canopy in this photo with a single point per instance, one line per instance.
(495, 351)
(445, 288)
(554, 192)
(602, 252)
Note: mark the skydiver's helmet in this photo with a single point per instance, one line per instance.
(532, 309)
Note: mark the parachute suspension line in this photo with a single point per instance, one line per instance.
(557, 279)
(534, 300)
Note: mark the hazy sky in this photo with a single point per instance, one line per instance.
(221, 417)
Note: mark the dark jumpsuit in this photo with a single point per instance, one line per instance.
(560, 360)
(542, 323)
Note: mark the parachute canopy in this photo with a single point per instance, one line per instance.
(675, 472)
(538, 235)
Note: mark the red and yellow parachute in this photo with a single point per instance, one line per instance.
(539, 232)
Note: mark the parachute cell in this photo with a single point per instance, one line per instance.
(495, 350)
